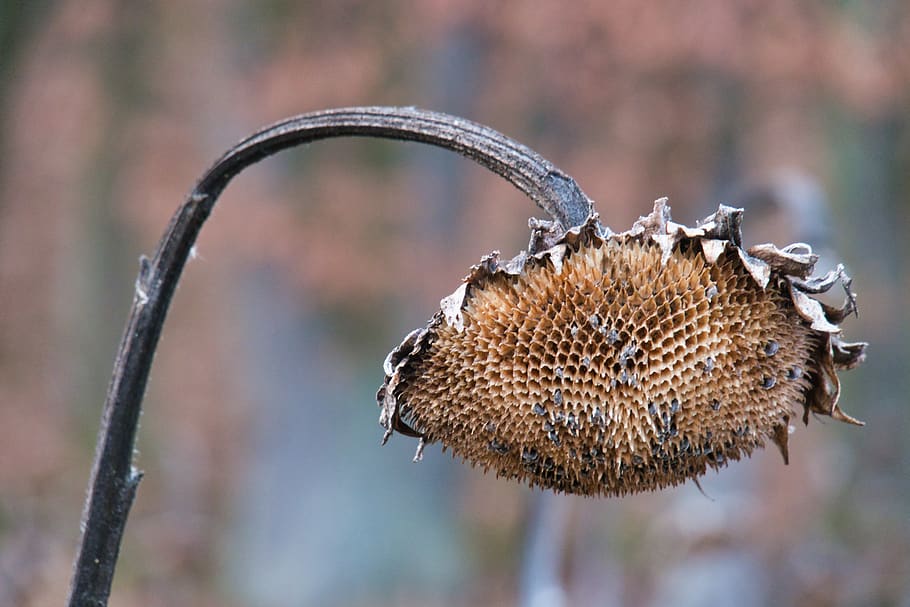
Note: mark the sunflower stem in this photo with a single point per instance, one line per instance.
(114, 480)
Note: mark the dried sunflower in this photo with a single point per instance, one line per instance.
(604, 363)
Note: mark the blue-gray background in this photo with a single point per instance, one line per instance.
(265, 483)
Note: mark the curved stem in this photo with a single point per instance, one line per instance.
(554, 191)
(114, 480)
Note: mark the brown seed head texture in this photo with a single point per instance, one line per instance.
(606, 364)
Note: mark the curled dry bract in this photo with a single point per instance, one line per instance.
(606, 363)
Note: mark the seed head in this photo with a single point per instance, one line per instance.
(605, 364)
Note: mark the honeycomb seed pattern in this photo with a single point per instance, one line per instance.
(622, 364)
(618, 373)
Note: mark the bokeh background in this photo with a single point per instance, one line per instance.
(264, 480)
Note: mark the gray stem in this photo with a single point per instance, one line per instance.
(114, 481)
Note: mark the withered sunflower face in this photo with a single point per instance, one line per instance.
(605, 364)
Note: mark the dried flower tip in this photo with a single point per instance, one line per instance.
(604, 364)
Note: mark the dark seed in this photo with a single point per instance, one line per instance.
(613, 336)
(529, 455)
(652, 409)
(674, 406)
(554, 437)
(499, 447)
(490, 427)
(795, 373)
(557, 397)
(715, 405)
(768, 382)
(539, 409)
(711, 292)
(559, 372)
(627, 355)
(709, 365)
(594, 320)
(771, 348)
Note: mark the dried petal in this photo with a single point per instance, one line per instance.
(781, 437)
(787, 261)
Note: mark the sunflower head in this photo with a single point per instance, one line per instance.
(605, 363)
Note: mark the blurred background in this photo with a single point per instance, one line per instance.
(264, 480)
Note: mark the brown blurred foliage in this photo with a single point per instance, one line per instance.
(110, 110)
